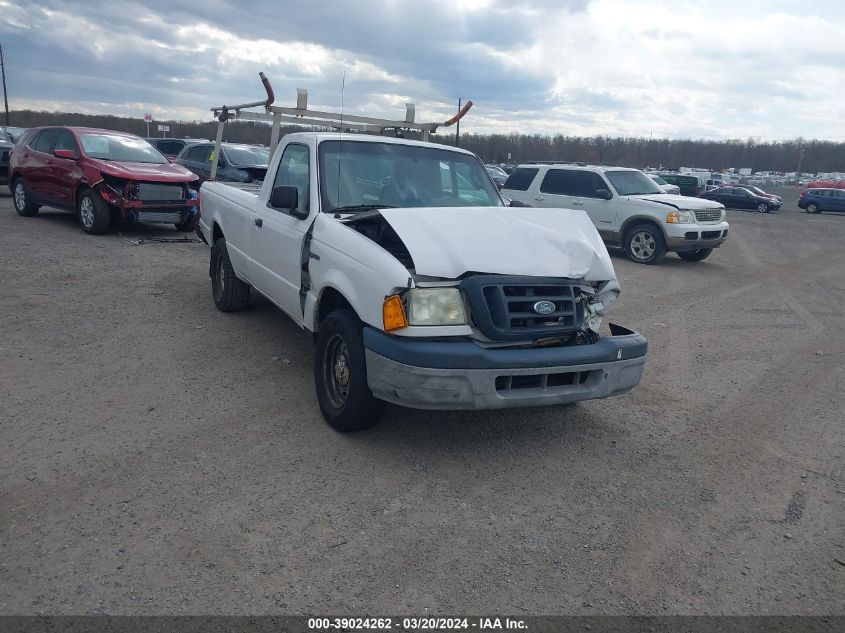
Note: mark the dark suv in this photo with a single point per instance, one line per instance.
(822, 199)
(236, 163)
(171, 147)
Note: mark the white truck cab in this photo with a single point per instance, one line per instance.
(420, 286)
(627, 207)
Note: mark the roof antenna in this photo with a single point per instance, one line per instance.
(340, 144)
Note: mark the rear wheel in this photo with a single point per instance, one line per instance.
(23, 204)
(813, 208)
(762, 208)
(696, 255)
(230, 293)
(644, 244)
(94, 214)
(340, 374)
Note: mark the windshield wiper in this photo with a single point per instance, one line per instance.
(355, 208)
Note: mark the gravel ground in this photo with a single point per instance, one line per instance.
(160, 457)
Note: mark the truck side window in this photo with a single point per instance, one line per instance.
(591, 182)
(561, 182)
(294, 170)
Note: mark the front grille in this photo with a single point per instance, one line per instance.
(708, 215)
(503, 307)
(155, 192)
(520, 382)
(160, 217)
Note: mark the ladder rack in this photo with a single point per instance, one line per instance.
(301, 115)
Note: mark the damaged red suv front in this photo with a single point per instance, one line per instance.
(106, 177)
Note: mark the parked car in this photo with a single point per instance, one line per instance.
(420, 288)
(497, 174)
(742, 198)
(762, 193)
(106, 177)
(6, 146)
(627, 207)
(668, 188)
(822, 199)
(688, 184)
(14, 132)
(171, 147)
(236, 163)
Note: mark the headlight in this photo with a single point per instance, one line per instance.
(680, 217)
(722, 217)
(435, 306)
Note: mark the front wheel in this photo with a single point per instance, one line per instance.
(696, 255)
(23, 205)
(94, 214)
(762, 208)
(644, 244)
(230, 293)
(340, 374)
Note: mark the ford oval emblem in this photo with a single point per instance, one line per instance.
(544, 307)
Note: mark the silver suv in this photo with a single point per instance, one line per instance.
(627, 207)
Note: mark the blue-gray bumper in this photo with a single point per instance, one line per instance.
(463, 375)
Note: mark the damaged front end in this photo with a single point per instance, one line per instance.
(155, 202)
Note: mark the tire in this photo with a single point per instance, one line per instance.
(21, 199)
(813, 208)
(340, 374)
(94, 213)
(189, 225)
(644, 244)
(762, 208)
(230, 293)
(695, 256)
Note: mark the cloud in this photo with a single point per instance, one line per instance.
(642, 67)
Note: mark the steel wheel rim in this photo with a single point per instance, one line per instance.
(20, 196)
(336, 371)
(86, 212)
(643, 245)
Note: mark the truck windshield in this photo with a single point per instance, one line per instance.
(631, 183)
(123, 149)
(356, 175)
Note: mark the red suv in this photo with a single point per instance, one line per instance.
(105, 177)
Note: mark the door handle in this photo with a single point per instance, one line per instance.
(259, 222)
(539, 198)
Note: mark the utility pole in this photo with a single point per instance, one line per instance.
(5, 94)
(800, 161)
(458, 128)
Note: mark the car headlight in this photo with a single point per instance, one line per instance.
(680, 217)
(435, 306)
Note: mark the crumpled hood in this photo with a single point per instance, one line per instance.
(678, 202)
(540, 242)
(166, 172)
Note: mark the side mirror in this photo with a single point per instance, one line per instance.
(604, 194)
(517, 203)
(286, 198)
(65, 153)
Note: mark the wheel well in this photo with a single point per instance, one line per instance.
(329, 301)
(631, 223)
(216, 233)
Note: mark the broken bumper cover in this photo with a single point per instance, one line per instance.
(463, 375)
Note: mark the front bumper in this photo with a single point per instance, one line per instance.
(463, 375)
(692, 237)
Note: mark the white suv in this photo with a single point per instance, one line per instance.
(627, 207)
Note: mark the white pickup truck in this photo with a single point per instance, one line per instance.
(419, 285)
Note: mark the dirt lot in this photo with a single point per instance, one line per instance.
(159, 456)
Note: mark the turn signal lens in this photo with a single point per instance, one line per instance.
(393, 314)
(672, 218)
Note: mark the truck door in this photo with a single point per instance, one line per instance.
(277, 236)
(601, 210)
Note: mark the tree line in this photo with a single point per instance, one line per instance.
(819, 156)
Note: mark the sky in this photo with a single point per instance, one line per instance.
(764, 69)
